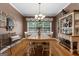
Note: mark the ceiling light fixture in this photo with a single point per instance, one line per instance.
(39, 16)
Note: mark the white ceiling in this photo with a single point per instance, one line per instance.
(48, 9)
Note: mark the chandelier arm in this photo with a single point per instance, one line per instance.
(39, 16)
(39, 8)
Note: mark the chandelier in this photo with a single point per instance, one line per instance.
(39, 16)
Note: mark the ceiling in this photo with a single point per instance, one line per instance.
(48, 9)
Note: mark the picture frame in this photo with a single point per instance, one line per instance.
(9, 23)
(2, 19)
(3, 16)
(0, 15)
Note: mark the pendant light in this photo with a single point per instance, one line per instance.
(39, 16)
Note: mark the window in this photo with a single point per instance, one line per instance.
(45, 25)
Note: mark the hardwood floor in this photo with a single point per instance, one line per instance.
(55, 49)
(58, 50)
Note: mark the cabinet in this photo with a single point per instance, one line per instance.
(69, 30)
(69, 24)
(18, 49)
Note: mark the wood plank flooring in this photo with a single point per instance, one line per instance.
(58, 50)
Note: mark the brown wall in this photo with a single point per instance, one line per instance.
(17, 17)
(54, 27)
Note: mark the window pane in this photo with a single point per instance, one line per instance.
(33, 25)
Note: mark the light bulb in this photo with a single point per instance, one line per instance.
(40, 15)
(43, 17)
(36, 16)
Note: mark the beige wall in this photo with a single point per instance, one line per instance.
(17, 17)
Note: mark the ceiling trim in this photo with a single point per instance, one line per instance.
(63, 8)
(16, 8)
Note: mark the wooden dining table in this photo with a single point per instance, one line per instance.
(41, 39)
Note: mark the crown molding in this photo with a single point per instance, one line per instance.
(63, 8)
(16, 9)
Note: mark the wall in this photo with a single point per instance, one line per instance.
(17, 17)
(54, 26)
